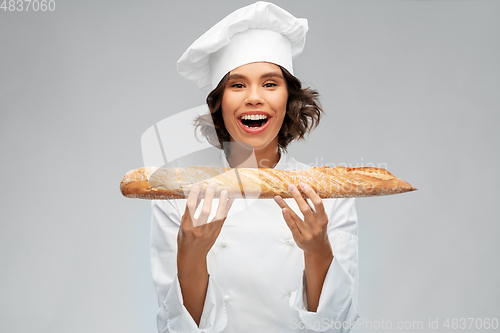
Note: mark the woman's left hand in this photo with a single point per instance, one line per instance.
(310, 235)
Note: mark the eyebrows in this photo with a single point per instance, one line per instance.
(267, 75)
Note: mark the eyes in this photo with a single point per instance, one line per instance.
(265, 85)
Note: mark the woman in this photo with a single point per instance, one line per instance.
(276, 266)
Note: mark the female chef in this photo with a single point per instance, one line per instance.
(282, 265)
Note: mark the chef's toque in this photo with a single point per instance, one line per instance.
(258, 32)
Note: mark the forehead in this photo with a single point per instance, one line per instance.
(257, 68)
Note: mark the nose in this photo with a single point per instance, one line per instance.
(254, 96)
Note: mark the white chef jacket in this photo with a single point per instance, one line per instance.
(256, 271)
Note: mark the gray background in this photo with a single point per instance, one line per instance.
(413, 85)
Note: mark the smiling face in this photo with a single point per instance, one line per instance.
(254, 104)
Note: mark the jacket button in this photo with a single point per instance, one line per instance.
(223, 243)
(226, 298)
(289, 242)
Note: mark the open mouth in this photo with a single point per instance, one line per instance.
(254, 121)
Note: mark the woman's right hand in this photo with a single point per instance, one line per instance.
(196, 237)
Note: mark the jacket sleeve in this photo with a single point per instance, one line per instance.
(338, 306)
(172, 316)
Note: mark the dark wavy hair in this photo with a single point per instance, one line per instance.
(303, 113)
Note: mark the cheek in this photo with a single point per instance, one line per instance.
(229, 120)
(283, 105)
(227, 106)
(225, 113)
(280, 122)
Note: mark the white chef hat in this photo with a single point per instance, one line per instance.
(258, 32)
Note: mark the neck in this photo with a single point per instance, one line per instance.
(244, 156)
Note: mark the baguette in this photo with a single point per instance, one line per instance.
(340, 182)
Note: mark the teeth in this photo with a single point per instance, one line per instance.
(253, 117)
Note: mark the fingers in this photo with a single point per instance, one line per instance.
(302, 203)
(296, 232)
(292, 220)
(230, 203)
(319, 209)
(224, 206)
(193, 202)
(207, 204)
(279, 200)
(215, 226)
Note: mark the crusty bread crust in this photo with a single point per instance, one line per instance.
(339, 182)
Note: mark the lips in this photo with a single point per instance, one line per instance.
(254, 130)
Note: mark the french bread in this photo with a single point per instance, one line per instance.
(340, 182)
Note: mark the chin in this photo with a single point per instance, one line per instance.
(258, 144)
